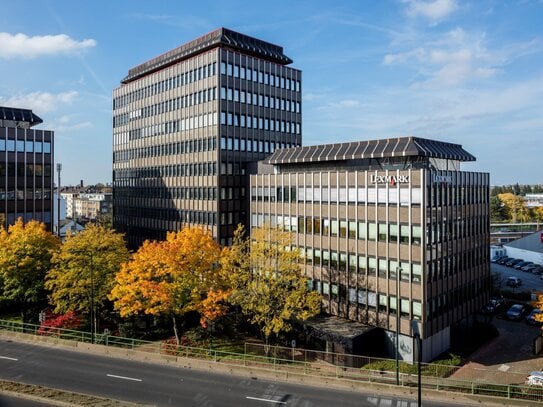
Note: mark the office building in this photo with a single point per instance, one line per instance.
(26, 172)
(186, 123)
(388, 228)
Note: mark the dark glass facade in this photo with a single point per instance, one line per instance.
(26, 168)
(186, 124)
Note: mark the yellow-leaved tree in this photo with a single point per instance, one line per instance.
(25, 258)
(515, 207)
(84, 270)
(173, 277)
(267, 280)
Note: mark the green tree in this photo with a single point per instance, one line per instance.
(173, 277)
(498, 212)
(84, 271)
(25, 257)
(267, 281)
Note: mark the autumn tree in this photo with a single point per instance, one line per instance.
(498, 212)
(25, 257)
(173, 277)
(515, 207)
(84, 270)
(268, 282)
(539, 304)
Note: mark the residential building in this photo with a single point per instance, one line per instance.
(26, 171)
(389, 229)
(186, 123)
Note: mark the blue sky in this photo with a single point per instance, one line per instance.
(452, 70)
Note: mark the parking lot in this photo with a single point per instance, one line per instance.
(530, 282)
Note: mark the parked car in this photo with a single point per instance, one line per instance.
(520, 265)
(513, 262)
(495, 259)
(535, 379)
(503, 260)
(530, 319)
(513, 281)
(515, 312)
(493, 306)
(528, 267)
(538, 269)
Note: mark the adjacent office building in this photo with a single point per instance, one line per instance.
(389, 229)
(26, 172)
(186, 123)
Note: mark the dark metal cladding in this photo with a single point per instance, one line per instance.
(396, 147)
(220, 37)
(18, 116)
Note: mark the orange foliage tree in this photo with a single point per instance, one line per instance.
(173, 277)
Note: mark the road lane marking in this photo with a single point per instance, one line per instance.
(124, 377)
(268, 400)
(8, 358)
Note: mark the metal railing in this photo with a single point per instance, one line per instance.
(295, 361)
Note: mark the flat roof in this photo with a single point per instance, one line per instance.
(391, 147)
(219, 37)
(531, 243)
(16, 115)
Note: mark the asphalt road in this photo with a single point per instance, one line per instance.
(158, 385)
(6, 401)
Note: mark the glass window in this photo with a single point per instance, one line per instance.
(325, 258)
(317, 257)
(392, 303)
(372, 231)
(352, 262)
(405, 274)
(372, 265)
(382, 302)
(46, 147)
(382, 232)
(352, 230)
(362, 230)
(333, 259)
(352, 295)
(362, 296)
(383, 268)
(325, 227)
(343, 261)
(417, 310)
(416, 270)
(361, 264)
(334, 228)
(343, 228)
(417, 235)
(325, 289)
(393, 233)
(404, 234)
(405, 307)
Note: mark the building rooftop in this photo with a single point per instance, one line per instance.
(532, 243)
(383, 148)
(219, 37)
(15, 117)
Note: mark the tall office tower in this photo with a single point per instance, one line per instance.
(185, 125)
(391, 231)
(26, 171)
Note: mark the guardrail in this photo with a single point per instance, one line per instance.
(434, 377)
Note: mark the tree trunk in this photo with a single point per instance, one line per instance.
(175, 330)
(267, 346)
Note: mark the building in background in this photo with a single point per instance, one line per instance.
(26, 168)
(186, 123)
(86, 206)
(389, 229)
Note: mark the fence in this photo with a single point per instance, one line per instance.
(294, 361)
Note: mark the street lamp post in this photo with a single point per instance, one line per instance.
(418, 340)
(398, 305)
(92, 312)
(59, 168)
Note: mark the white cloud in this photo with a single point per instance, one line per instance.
(432, 10)
(23, 46)
(41, 102)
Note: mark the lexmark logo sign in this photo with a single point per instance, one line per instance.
(389, 179)
(442, 179)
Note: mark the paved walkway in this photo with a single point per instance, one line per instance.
(507, 359)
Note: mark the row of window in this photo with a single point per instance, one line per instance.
(24, 193)
(191, 99)
(373, 194)
(236, 95)
(182, 79)
(180, 147)
(246, 73)
(370, 299)
(452, 195)
(179, 170)
(360, 230)
(188, 123)
(22, 146)
(260, 123)
(40, 216)
(12, 169)
(123, 213)
(441, 304)
(248, 145)
(370, 266)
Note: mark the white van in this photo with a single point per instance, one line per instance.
(535, 379)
